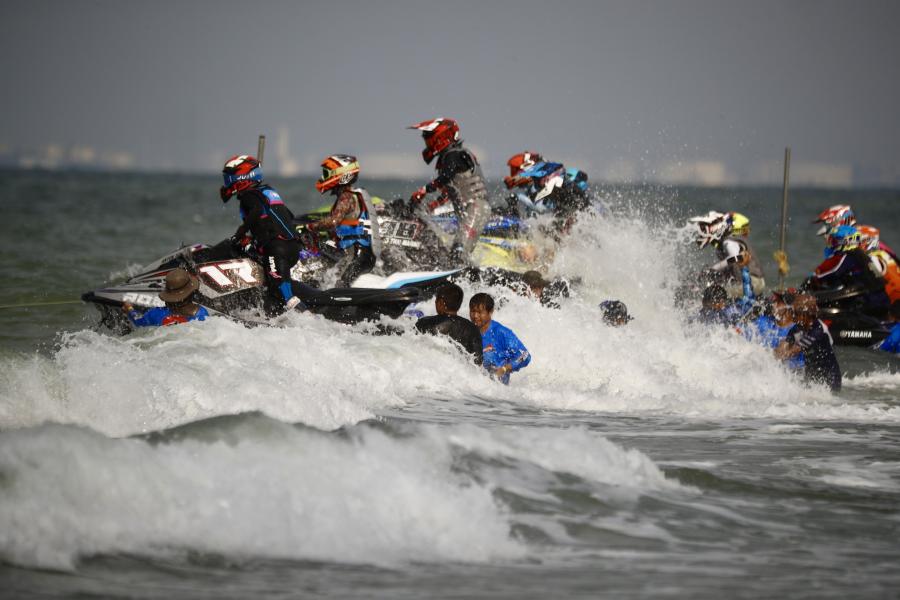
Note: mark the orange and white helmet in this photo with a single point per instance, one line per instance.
(337, 169)
(438, 134)
(869, 237)
(518, 163)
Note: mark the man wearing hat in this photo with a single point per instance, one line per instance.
(179, 298)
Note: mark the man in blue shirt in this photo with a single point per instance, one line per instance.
(503, 352)
(179, 298)
(892, 342)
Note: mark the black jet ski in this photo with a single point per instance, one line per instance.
(849, 319)
(233, 285)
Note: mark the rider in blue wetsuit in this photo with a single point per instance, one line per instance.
(266, 227)
(503, 352)
(179, 298)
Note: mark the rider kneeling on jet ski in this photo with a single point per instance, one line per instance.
(849, 265)
(350, 217)
(179, 298)
(459, 181)
(726, 233)
(267, 220)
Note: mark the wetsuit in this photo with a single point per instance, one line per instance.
(851, 268)
(501, 347)
(460, 330)
(729, 251)
(460, 182)
(268, 220)
(162, 315)
(821, 364)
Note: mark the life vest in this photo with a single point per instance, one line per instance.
(358, 228)
(274, 223)
(890, 271)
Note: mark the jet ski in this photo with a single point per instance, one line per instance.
(850, 321)
(233, 285)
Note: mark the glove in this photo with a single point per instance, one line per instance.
(294, 302)
(418, 195)
(804, 340)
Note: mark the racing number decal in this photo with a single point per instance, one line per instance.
(227, 275)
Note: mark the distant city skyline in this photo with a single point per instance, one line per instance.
(688, 91)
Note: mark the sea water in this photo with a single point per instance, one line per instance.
(660, 459)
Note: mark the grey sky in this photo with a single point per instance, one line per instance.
(635, 84)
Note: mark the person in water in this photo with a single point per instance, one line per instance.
(265, 230)
(810, 336)
(615, 313)
(181, 305)
(459, 181)
(892, 342)
(504, 353)
(716, 309)
(772, 326)
(542, 289)
(351, 217)
(447, 302)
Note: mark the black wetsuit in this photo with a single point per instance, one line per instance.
(268, 221)
(458, 329)
(821, 365)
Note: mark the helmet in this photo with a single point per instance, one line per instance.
(337, 169)
(712, 227)
(517, 164)
(844, 238)
(839, 214)
(438, 134)
(869, 237)
(240, 172)
(740, 224)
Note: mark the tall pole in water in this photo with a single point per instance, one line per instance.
(261, 148)
(780, 256)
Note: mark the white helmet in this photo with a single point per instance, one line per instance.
(711, 227)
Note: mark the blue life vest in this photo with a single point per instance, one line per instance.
(357, 230)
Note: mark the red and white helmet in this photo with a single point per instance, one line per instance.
(337, 169)
(438, 134)
(518, 163)
(835, 216)
(239, 173)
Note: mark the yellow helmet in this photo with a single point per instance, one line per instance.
(740, 225)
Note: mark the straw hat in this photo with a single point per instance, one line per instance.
(179, 286)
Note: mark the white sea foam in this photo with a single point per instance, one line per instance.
(257, 487)
(328, 375)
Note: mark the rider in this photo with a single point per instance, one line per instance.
(459, 181)
(351, 215)
(181, 305)
(884, 263)
(841, 214)
(849, 265)
(265, 229)
(556, 189)
(521, 189)
(727, 233)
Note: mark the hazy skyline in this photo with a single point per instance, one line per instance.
(677, 91)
